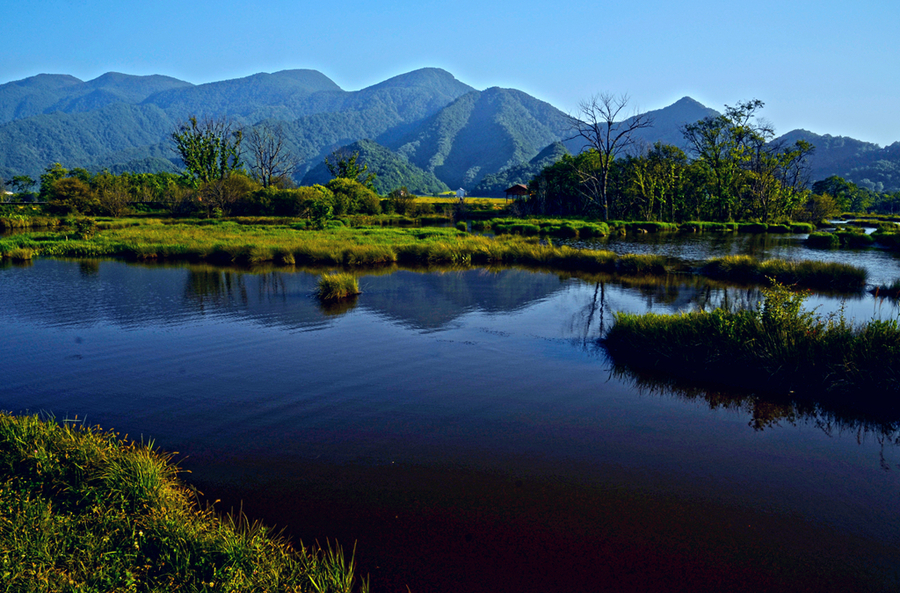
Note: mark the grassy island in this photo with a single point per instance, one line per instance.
(777, 349)
(83, 510)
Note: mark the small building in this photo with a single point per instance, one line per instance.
(517, 191)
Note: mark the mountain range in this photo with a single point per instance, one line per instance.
(424, 129)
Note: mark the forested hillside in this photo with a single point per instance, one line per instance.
(478, 140)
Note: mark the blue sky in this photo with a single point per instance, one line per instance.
(829, 67)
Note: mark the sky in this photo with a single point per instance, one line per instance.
(824, 66)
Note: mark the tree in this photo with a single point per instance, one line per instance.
(849, 196)
(21, 184)
(51, 175)
(272, 161)
(343, 165)
(596, 124)
(654, 182)
(210, 149)
(71, 194)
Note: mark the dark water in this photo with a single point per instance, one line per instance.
(462, 427)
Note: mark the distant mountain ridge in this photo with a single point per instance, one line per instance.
(453, 134)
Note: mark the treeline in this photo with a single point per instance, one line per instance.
(735, 172)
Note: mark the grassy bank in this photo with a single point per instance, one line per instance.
(779, 348)
(252, 242)
(804, 273)
(230, 242)
(82, 510)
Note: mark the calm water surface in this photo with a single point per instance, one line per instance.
(462, 427)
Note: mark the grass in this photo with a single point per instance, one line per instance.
(778, 348)
(83, 510)
(805, 273)
(337, 286)
(243, 243)
(890, 291)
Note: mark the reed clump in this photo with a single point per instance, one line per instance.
(777, 348)
(337, 287)
(83, 510)
(803, 273)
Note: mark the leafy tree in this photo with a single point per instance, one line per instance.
(655, 183)
(747, 175)
(219, 195)
(112, 193)
(21, 183)
(352, 197)
(557, 189)
(210, 149)
(596, 125)
(71, 194)
(50, 176)
(402, 200)
(849, 196)
(343, 165)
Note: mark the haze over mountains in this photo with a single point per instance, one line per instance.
(426, 127)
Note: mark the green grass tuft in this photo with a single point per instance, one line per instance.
(337, 286)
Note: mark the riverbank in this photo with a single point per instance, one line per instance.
(84, 510)
(289, 242)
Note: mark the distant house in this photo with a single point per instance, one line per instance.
(517, 191)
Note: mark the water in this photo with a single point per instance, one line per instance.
(883, 266)
(462, 427)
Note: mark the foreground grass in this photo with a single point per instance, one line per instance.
(82, 510)
(779, 348)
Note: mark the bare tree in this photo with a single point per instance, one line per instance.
(272, 161)
(596, 123)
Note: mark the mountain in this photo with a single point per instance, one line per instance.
(668, 122)
(391, 170)
(54, 93)
(481, 133)
(866, 164)
(494, 185)
(461, 136)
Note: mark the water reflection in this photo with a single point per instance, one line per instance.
(768, 411)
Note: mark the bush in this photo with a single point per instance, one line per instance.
(352, 197)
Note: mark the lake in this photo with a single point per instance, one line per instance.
(463, 427)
